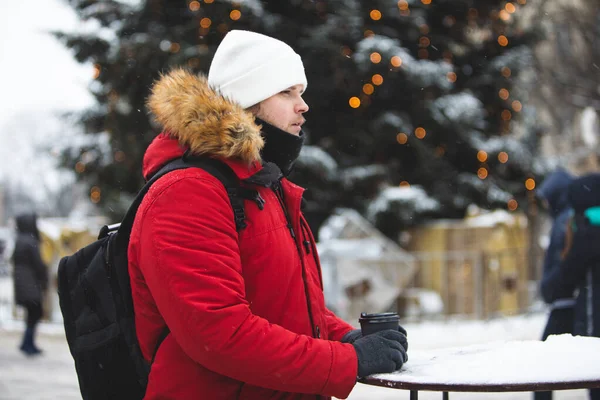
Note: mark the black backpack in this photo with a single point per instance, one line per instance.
(96, 303)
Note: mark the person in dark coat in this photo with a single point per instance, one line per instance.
(30, 278)
(580, 269)
(553, 193)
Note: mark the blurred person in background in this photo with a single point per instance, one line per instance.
(553, 194)
(30, 277)
(580, 268)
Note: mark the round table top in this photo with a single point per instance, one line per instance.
(561, 362)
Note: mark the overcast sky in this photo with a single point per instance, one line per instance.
(38, 79)
(36, 72)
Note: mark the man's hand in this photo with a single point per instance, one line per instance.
(381, 352)
(356, 334)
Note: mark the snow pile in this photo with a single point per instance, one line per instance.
(497, 217)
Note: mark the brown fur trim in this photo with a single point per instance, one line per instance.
(200, 118)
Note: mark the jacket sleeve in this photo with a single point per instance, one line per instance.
(551, 287)
(191, 262)
(566, 279)
(336, 326)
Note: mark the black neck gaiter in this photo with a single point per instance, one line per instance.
(281, 148)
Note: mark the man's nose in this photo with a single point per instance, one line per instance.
(302, 107)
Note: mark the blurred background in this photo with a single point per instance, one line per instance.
(431, 125)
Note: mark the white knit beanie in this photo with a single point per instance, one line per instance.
(249, 67)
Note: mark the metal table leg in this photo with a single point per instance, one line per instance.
(414, 395)
(445, 396)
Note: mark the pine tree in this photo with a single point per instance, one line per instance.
(405, 93)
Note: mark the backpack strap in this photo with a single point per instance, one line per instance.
(219, 170)
(230, 181)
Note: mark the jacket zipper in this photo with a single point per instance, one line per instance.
(279, 194)
(311, 243)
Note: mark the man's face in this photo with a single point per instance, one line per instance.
(284, 110)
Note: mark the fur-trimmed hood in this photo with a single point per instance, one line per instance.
(203, 120)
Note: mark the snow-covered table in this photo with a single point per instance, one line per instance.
(561, 362)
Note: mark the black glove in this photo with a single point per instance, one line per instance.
(352, 336)
(381, 352)
(356, 334)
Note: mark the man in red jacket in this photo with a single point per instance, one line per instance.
(245, 309)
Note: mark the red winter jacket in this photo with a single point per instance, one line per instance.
(235, 303)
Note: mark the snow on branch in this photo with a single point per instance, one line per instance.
(403, 202)
(517, 59)
(460, 108)
(423, 73)
(318, 161)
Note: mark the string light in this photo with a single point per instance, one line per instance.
(420, 133)
(482, 173)
(503, 157)
(205, 23)
(530, 184)
(482, 156)
(79, 167)
(426, 2)
(193, 62)
(506, 115)
(424, 41)
(235, 15)
(505, 71)
(504, 15)
(377, 79)
(449, 21)
(354, 102)
(396, 61)
(97, 70)
(208, 1)
(375, 57)
(502, 40)
(503, 94)
(510, 7)
(451, 76)
(95, 194)
(119, 156)
(517, 106)
(369, 33)
(375, 15)
(403, 5)
(368, 88)
(175, 47)
(194, 5)
(402, 138)
(404, 184)
(512, 205)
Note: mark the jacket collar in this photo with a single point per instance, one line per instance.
(204, 121)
